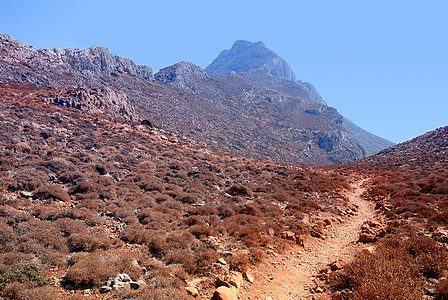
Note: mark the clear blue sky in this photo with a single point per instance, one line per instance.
(382, 64)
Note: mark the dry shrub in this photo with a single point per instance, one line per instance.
(59, 165)
(151, 185)
(88, 216)
(281, 197)
(257, 255)
(19, 291)
(194, 220)
(182, 257)
(249, 209)
(204, 260)
(72, 177)
(29, 180)
(239, 262)
(53, 191)
(188, 198)
(6, 234)
(240, 190)
(88, 241)
(94, 268)
(244, 227)
(442, 289)
(157, 244)
(205, 210)
(160, 198)
(383, 275)
(395, 271)
(86, 187)
(135, 234)
(163, 285)
(432, 258)
(201, 231)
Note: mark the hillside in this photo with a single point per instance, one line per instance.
(86, 196)
(250, 113)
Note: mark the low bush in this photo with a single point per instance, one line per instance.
(52, 192)
(29, 275)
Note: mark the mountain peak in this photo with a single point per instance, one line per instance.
(245, 56)
(182, 75)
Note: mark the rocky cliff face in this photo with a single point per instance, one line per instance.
(245, 56)
(59, 67)
(89, 80)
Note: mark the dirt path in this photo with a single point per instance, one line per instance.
(290, 276)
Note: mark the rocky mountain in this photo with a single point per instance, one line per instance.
(250, 113)
(245, 56)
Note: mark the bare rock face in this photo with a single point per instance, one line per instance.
(56, 68)
(103, 100)
(98, 59)
(183, 75)
(245, 56)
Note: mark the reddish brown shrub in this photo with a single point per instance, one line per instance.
(6, 235)
(442, 289)
(57, 165)
(188, 198)
(200, 231)
(53, 192)
(134, 233)
(90, 271)
(204, 260)
(281, 197)
(29, 180)
(432, 258)
(240, 190)
(88, 242)
(239, 262)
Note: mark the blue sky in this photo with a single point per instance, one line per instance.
(382, 64)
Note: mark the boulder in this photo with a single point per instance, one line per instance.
(235, 279)
(366, 238)
(248, 277)
(373, 223)
(337, 265)
(289, 235)
(225, 293)
(121, 281)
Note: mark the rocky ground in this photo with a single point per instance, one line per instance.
(295, 274)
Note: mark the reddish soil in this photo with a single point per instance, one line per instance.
(293, 275)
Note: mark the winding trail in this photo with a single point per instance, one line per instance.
(291, 275)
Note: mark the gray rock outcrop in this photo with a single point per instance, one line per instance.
(183, 75)
(59, 67)
(245, 56)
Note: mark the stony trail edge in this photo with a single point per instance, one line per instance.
(292, 275)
